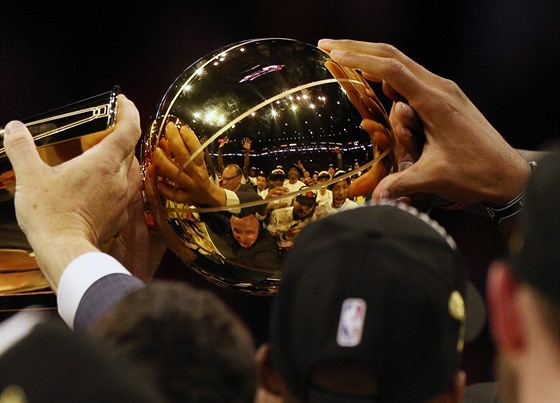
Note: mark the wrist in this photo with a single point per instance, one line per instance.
(56, 253)
(506, 179)
(499, 212)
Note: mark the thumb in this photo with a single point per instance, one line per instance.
(398, 184)
(20, 149)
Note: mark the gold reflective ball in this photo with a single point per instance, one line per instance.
(264, 105)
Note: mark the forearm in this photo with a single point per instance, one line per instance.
(220, 160)
(246, 164)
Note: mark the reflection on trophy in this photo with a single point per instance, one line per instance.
(287, 97)
(293, 103)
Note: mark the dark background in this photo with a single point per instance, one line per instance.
(503, 54)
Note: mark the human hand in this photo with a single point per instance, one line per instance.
(134, 246)
(183, 181)
(277, 192)
(294, 231)
(464, 159)
(77, 206)
(247, 143)
(224, 141)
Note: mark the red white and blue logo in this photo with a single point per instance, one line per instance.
(351, 325)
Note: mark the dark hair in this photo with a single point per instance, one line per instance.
(194, 347)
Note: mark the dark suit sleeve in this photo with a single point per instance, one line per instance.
(102, 295)
(247, 194)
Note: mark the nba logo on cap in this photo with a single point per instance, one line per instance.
(351, 323)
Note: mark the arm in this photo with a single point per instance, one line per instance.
(208, 160)
(246, 159)
(221, 155)
(339, 163)
(90, 286)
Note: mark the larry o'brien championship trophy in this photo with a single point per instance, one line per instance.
(293, 104)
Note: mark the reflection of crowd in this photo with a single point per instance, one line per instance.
(285, 217)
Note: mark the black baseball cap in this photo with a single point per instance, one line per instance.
(296, 166)
(323, 174)
(535, 248)
(307, 196)
(277, 173)
(387, 292)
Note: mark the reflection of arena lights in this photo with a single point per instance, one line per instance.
(212, 117)
(322, 148)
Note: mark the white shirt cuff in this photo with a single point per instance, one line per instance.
(80, 274)
(232, 200)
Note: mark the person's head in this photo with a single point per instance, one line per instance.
(339, 190)
(294, 173)
(245, 230)
(304, 205)
(261, 181)
(323, 177)
(373, 305)
(276, 178)
(52, 363)
(315, 177)
(308, 181)
(331, 170)
(524, 294)
(188, 340)
(231, 177)
(253, 172)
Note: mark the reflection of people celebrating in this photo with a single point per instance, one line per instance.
(340, 200)
(190, 184)
(245, 171)
(262, 186)
(232, 179)
(286, 223)
(324, 195)
(254, 245)
(292, 182)
(275, 189)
